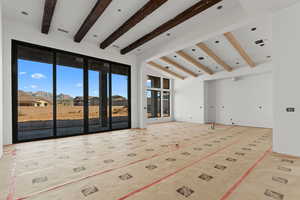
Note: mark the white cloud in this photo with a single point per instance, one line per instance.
(33, 86)
(23, 73)
(38, 76)
(79, 85)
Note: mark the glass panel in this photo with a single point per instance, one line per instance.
(98, 96)
(35, 97)
(166, 104)
(166, 83)
(70, 111)
(154, 104)
(153, 82)
(119, 98)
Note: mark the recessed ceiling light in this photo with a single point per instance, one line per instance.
(119, 10)
(253, 29)
(219, 7)
(63, 30)
(201, 58)
(217, 41)
(24, 13)
(259, 41)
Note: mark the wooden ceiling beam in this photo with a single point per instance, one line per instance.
(48, 15)
(190, 59)
(146, 10)
(211, 54)
(235, 43)
(91, 19)
(178, 66)
(158, 66)
(180, 18)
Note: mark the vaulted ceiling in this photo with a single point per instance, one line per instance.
(125, 25)
(139, 26)
(248, 46)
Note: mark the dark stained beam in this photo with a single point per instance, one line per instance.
(146, 10)
(182, 17)
(91, 19)
(48, 15)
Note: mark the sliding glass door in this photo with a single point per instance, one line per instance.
(69, 95)
(98, 96)
(119, 96)
(34, 100)
(57, 94)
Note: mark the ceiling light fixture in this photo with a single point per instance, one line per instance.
(63, 30)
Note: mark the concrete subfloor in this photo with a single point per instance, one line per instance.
(167, 161)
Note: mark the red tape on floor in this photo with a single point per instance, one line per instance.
(175, 172)
(242, 178)
(105, 171)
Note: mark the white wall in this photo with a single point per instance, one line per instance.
(28, 33)
(1, 85)
(238, 101)
(189, 100)
(286, 31)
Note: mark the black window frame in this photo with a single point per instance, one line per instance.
(14, 82)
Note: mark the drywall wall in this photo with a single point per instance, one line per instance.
(286, 39)
(1, 85)
(32, 34)
(245, 101)
(189, 100)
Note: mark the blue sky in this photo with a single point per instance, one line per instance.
(34, 76)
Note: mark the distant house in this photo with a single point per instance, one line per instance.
(25, 99)
(78, 101)
(42, 103)
(119, 101)
(94, 101)
(65, 102)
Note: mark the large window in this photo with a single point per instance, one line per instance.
(56, 93)
(158, 97)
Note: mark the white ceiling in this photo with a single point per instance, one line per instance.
(70, 14)
(222, 48)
